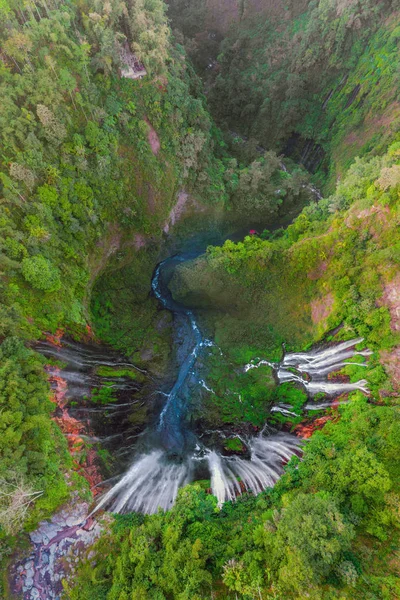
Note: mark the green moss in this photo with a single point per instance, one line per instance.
(118, 372)
(103, 395)
(289, 393)
(234, 445)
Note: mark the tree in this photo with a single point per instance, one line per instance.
(16, 497)
(308, 541)
(41, 274)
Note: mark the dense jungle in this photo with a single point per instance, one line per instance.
(199, 299)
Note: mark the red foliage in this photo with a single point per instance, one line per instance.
(73, 430)
(305, 430)
(55, 339)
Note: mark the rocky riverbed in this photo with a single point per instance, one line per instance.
(58, 546)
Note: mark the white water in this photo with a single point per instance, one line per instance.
(153, 480)
(317, 365)
(151, 483)
(262, 470)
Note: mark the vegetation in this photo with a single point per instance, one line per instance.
(312, 532)
(32, 449)
(92, 170)
(336, 259)
(274, 78)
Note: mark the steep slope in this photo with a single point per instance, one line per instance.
(315, 81)
(91, 165)
(104, 175)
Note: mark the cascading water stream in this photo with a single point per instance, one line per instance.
(317, 365)
(170, 455)
(174, 454)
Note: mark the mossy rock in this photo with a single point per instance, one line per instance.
(104, 371)
(234, 446)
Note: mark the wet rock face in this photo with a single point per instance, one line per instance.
(57, 546)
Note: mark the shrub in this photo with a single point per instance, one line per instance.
(41, 274)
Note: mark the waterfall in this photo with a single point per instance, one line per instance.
(155, 476)
(262, 470)
(317, 365)
(224, 484)
(151, 483)
(153, 479)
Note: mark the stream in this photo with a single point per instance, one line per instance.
(174, 456)
(168, 454)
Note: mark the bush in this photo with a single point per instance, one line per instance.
(41, 274)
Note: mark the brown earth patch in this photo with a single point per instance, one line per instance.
(321, 308)
(391, 362)
(306, 430)
(139, 241)
(84, 457)
(374, 218)
(182, 205)
(151, 200)
(318, 271)
(372, 125)
(381, 211)
(153, 138)
(391, 299)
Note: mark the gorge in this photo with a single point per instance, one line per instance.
(199, 301)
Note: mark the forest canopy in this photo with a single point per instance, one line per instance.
(130, 130)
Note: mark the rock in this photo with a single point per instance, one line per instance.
(73, 520)
(28, 583)
(44, 582)
(36, 537)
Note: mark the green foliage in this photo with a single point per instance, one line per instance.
(30, 446)
(83, 193)
(79, 181)
(41, 274)
(293, 538)
(289, 393)
(103, 395)
(70, 142)
(310, 538)
(275, 76)
(234, 445)
(119, 372)
(161, 557)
